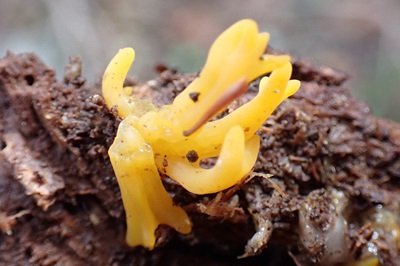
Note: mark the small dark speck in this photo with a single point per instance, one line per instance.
(194, 96)
(192, 156)
(3, 144)
(30, 79)
(160, 68)
(246, 129)
(165, 162)
(39, 179)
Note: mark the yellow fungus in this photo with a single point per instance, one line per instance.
(368, 261)
(175, 138)
(146, 202)
(235, 161)
(113, 80)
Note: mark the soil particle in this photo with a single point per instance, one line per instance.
(194, 96)
(192, 156)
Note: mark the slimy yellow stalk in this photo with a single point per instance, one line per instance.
(152, 140)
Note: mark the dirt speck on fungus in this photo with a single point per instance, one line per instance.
(194, 96)
(329, 157)
(192, 156)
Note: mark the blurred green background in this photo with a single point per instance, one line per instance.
(359, 37)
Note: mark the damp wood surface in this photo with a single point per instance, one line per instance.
(60, 203)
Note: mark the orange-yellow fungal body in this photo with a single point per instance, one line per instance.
(151, 140)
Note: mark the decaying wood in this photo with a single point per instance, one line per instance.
(60, 203)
